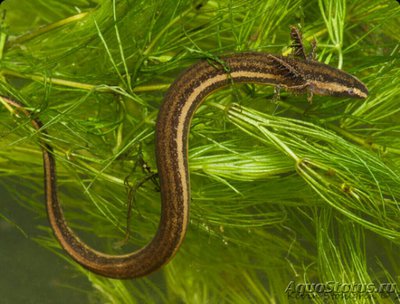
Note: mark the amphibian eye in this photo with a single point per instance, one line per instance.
(350, 91)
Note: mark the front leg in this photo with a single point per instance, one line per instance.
(302, 89)
(277, 93)
(284, 66)
(297, 43)
(312, 56)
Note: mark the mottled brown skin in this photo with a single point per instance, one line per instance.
(173, 126)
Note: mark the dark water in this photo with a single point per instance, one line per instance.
(30, 273)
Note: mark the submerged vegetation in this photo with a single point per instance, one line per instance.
(282, 190)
